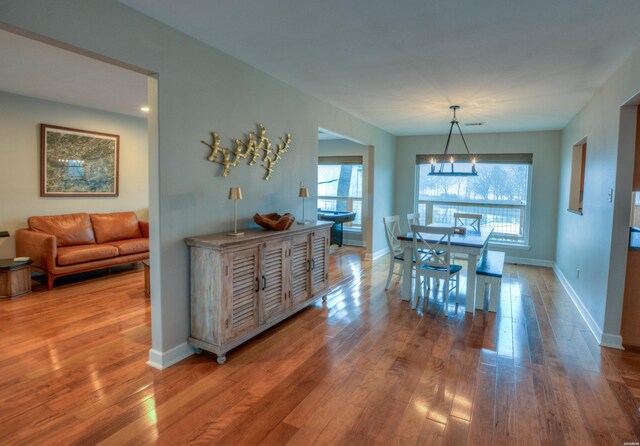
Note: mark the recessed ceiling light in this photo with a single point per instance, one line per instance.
(144, 109)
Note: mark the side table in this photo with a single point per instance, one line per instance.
(15, 278)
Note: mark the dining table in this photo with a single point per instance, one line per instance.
(472, 243)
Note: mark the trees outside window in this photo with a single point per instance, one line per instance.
(340, 189)
(499, 193)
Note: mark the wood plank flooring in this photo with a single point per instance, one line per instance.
(362, 368)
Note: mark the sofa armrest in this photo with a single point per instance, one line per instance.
(40, 247)
(144, 228)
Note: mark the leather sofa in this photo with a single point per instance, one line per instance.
(67, 244)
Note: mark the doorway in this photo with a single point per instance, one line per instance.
(80, 92)
(343, 183)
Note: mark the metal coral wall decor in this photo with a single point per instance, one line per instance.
(253, 148)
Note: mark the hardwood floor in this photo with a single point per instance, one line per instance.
(361, 369)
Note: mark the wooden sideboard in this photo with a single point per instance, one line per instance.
(241, 286)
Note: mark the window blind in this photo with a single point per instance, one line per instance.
(337, 160)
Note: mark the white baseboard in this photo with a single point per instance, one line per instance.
(358, 243)
(612, 341)
(531, 262)
(586, 316)
(350, 238)
(161, 360)
(377, 254)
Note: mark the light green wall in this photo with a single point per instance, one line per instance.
(596, 242)
(200, 90)
(545, 147)
(20, 119)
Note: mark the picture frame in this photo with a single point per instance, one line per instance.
(78, 163)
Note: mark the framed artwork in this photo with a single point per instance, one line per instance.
(78, 163)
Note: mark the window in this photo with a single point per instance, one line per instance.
(340, 186)
(500, 193)
(576, 189)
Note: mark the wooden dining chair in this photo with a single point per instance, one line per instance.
(473, 220)
(433, 260)
(414, 219)
(467, 220)
(396, 254)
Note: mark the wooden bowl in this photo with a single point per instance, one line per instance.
(274, 221)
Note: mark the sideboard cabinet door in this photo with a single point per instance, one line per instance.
(242, 314)
(300, 269)
(274, 283)
(319, 261)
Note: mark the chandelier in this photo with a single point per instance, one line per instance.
(447, 161)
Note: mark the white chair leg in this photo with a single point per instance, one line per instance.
(446, 297)
(416, 293)
(457, 287)
(391, 267)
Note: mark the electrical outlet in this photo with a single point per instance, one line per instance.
(577, 273)
(610, 195)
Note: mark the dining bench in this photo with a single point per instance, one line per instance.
(489, 273)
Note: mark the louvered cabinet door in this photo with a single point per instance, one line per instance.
(242, 296)
(273, 283)
(319, 261)
(300, 269)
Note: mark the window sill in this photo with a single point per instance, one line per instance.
(573, 211)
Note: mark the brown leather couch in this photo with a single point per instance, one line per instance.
(67, 244)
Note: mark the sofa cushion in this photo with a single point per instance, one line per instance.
(115, 226)
(69, 229)
(131, 246)
(72, 255)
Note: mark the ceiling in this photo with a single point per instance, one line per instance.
(35, 69)
(513, 65)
